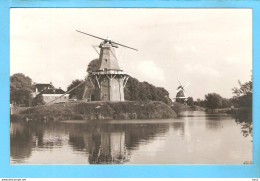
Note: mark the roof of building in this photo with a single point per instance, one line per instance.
(53, 91)
(42, 86)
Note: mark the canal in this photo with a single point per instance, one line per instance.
(193, 138)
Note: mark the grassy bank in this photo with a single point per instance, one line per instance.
(224, 110)
(97, 111)
(179, 107)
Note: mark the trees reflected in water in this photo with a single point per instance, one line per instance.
(20, 142)
(103, 143)
(117, 142)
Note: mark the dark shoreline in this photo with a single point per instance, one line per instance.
(96, 111)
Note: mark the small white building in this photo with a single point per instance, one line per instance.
(39, 87)
(52, 96)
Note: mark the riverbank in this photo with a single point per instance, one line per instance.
(96, 111)
(223, 110)
(179, 107)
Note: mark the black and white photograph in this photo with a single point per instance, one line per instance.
(131, 86)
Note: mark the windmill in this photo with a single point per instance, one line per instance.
(108, 81)
(181, 95)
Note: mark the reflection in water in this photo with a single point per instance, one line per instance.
(104, 143)
(191, 139)
(179, 127)
(20, 142)
(111, 149)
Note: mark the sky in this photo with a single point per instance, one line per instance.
(209, 48)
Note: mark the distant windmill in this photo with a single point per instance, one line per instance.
(108, 80)
(181, 95)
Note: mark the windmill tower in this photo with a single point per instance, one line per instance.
(108, 80)
(181, 95)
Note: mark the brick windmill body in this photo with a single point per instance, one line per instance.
(108, 81)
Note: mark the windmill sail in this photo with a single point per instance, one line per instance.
(107, 40)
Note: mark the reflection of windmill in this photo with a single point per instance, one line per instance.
(181, 95)
(108, 148)
(108, 80)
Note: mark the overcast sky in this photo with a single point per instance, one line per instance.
(210, 48)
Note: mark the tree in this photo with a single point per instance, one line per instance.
(94, 65)
(213, 100)
(243, 94)
(143, 91)
(244, 89)
(20, 82)
(190, 101)
(201, 103)
(226, 103)
(243, 100)
(131, 89)
(20, 89)
(79, 91)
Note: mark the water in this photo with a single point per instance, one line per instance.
(195, 138)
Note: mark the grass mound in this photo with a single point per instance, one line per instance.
(97, 111)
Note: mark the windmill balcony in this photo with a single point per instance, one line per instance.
(109, 72)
